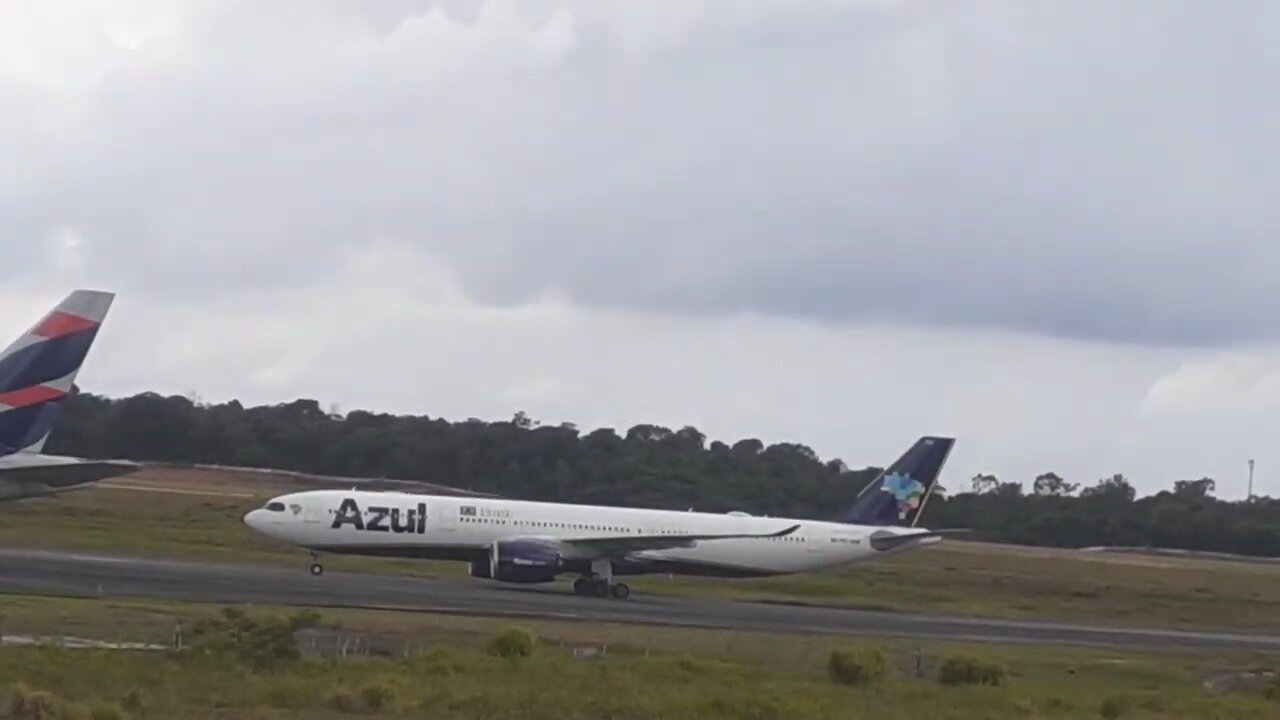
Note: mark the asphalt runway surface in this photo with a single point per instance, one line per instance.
(69, 574)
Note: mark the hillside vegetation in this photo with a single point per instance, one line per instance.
(649, 466)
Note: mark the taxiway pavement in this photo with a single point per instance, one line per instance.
(55, 573)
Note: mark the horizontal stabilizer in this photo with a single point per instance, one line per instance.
(59, 471)
(30, 475)
(884, 540)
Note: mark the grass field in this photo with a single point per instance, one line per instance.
(197, 514)
(438, 667)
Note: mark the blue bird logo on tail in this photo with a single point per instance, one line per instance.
(898, 494)
(906, 490)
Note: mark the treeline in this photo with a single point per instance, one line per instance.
(644, 466)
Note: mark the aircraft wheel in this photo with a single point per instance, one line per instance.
(621, 591)
(317, 569)
(581, 586)
(600, 588)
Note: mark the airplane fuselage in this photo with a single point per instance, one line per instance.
(399, 524)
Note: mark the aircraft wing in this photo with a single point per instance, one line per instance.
(619, 545)
(31, 474)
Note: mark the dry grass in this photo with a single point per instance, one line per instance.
(440, 669)
(969, 579)
(698, 674)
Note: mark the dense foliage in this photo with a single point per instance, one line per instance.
(647, 465)
(858, 666)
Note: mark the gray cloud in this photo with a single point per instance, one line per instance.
(1081, 169)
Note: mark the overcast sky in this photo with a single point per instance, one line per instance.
(1048, 228)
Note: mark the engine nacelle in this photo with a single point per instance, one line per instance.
(519, 561)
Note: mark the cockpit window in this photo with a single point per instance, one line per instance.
(275, 507)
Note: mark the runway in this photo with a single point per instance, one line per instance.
(52, 573)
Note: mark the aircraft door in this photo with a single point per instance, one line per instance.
(444, 515)
(817, 540)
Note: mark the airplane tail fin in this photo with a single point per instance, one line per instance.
(38, 370)
(899, 494)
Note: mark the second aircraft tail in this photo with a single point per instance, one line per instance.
(38, 370)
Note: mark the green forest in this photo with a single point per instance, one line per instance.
(648, 466)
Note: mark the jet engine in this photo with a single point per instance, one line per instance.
(519, 561)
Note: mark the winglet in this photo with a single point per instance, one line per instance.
(38, 371)
(785, 532)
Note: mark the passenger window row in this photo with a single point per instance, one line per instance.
(574, 526)
(603, 528)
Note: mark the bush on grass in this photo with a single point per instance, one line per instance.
(857, 666)
(512, 643)
(968, 670)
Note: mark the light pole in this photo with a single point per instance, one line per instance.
(1250, 499)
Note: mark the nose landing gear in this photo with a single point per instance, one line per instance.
(316, 568)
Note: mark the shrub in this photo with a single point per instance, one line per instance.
(28, 704)
(304, 619)
(344, 701)
(1055, 705)
(857, 666)
(515, 642)
(1114, 706)
(261, 644)
(132, 700)
(444, 662)
(376, 696)
(967, 670)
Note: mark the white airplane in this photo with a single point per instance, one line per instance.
(37, 375)
(519, 541)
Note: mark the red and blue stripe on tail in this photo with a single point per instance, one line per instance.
(38, 370)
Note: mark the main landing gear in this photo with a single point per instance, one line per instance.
(600, 583)
(596, 587)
